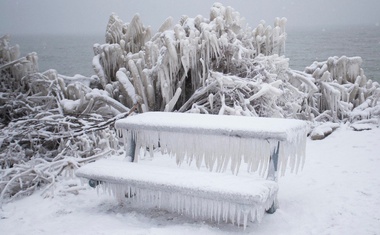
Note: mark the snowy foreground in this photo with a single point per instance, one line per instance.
(338, 192)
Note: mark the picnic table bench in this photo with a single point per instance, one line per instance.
(215, 143)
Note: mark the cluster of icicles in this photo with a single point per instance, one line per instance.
(192, 206)
(218, 65)
(231, 151)
(161, 71)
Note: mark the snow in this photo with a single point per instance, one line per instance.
(69, 105)
(323, 130)
(336, 193)
(361, 127)
(194, 137)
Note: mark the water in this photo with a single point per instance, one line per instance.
(303, 47)
(72, 54)
(68, 54)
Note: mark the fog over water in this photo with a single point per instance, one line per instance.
(91, 16)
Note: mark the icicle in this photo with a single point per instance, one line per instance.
(172, 51)
(246, 214)
(166, 25)
(137, 81)
(185, 55)
(126, 86)
(232, 212)
(169, 107)
(238, 216)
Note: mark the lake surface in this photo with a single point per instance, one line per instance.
(68, 54)
(72, 54)
(303, 47)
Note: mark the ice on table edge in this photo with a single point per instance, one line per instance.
(237, 138)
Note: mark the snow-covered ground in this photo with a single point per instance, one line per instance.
(338, 192)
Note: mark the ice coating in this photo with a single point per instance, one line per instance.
(198, 194)
(219, 141)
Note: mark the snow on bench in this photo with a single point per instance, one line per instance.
(215, 142)
(196, 193)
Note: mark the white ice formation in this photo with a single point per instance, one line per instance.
(344, 90)
(182, 64)
(9, 58)
(218, 65)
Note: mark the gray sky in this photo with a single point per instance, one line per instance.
(91, 16)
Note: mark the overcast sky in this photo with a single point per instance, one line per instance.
(91, 16)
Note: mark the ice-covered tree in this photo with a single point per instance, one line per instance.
(40, 136)
(344, 92)
(194, 65)
(219, 65)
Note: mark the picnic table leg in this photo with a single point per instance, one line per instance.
(130, 147)
(273, 175)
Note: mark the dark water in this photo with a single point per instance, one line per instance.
(303, 47)
(72, 54)
(68, 54)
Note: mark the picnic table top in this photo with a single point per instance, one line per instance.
(238, 126)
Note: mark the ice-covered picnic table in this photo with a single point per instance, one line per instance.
(211, 141)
